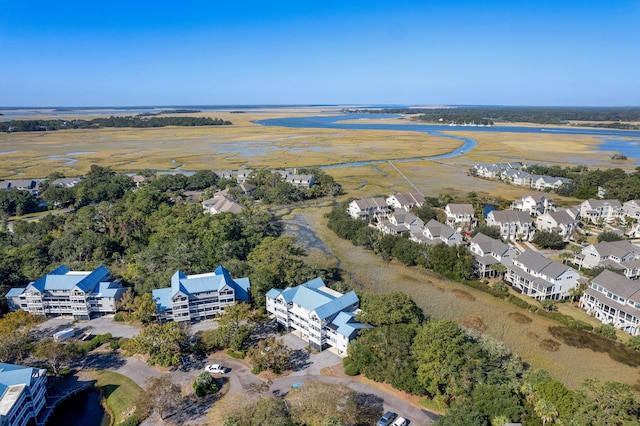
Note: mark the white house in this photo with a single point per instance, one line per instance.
(460, 215)
(198, 297)
(488, 252)
(322, 316)
(516, 177)
(401, 221)
(560, 222)
(512, 224)
(614, 299)
(541, 278)
(631, 209)
(435, 232)
(405, 201)
(622, 255)
(548, 182)
(534, 204)
(368, 208)
(593, 210)
(80, 294)
(23, 394)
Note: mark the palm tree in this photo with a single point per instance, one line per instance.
(546, 410)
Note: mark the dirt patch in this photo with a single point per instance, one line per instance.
(533, 336)
(519, 318)
(549, 345)
(461, 294)
(474, 323)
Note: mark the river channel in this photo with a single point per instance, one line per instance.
(623, 141)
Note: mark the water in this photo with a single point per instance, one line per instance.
(82, 409)
(624, 141)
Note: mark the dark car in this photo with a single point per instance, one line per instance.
(386, 419)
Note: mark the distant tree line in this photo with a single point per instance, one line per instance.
(621, 117)
(113, 121)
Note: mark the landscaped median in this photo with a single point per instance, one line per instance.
(120, 393)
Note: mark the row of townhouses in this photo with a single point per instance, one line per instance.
(515, 174)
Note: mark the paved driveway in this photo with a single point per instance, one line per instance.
(101, 325)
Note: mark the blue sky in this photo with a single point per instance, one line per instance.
(91, 53)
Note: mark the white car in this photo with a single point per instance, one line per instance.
(215, 369)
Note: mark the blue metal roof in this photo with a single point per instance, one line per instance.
(15, 292)
(162, 297)
(347, 325)
(62, 278)
(337, 305)
(194, 284)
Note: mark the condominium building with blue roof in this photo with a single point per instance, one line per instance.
(319, 314)
(197, 297)
(22, 394)
(63, 292)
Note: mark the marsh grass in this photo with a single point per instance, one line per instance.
(474, 323)
(461, 294)
(581, 339)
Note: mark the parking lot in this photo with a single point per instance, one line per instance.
(101, 325)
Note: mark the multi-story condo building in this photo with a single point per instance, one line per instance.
(325, 317)
(198, 297)
(594, 210)
(614, 299)
(461, 215)
(534, 204)
(368, 208)
(512, 224)
(541, 278)
(80, 294)
(488, 252)
(22, 394)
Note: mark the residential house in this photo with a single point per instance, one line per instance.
(242, 175)
(488, 252)
(80, 294)
(305, 181)
(614, 299)
(512, 224)
(460, 215)
(534, 204)
(631, 209)
(548, 182)
(560, 222)
(246, 188)
(21, 184)
(221, 204)
(541, 278)
(320, 315)
(435, 232)
(224, 174)
(69, 182)
(202, 296)
(23, 394)
(594, 210)
(622, 255)
(516, 177)
(401, 221)
(406, 201)
(369, 208)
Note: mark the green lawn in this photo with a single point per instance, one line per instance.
(121, 393)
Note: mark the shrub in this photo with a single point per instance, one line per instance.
(607, 330)
(518, 302)
(346, 361)
(634, 343)
(205, 384)
(131, 421)
(256, 370)
(115, 344)
(120, 317)
(351, 370)
(236, 355)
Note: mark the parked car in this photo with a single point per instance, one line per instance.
(400, 421)
(215, 369)
(386, 419)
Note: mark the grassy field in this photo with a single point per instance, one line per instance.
(120, 391)
(525, 333)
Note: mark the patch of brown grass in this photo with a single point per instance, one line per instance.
(461, 294)
(474, 323)
(584, 339)
(549, 345)
(533, 336)
(519, 318)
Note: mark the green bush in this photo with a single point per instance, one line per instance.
(519, 302)
(120, 317)
(131, 421)
(236, 355)
(346, 361)
(256, 370)
(351, 370)
(607, 331)
(115, 344)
